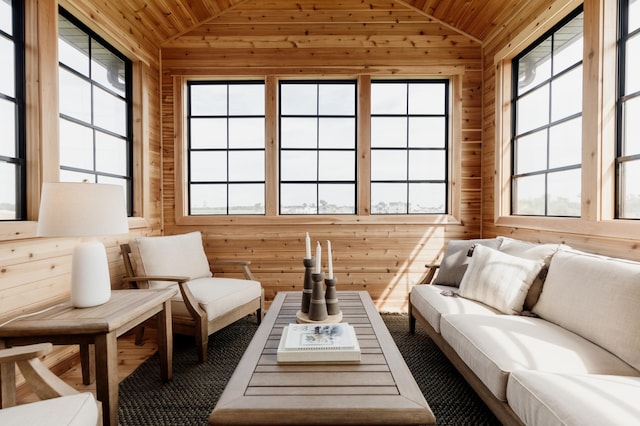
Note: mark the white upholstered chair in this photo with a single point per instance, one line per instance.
(205, 304)
(59, 404)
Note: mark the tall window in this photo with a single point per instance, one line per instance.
(409, 146)
(547, 123)
(226, 150)
(628, 111)
(95, 109)
(317, 147)
(12, 141)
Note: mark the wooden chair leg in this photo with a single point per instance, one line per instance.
(139, 335)
(202, 340)
(412, 320)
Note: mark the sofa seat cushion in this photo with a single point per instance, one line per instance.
(542, 398)
(596, 297)
(217, 296)
(431, 304)
(72, 410)
(495, 345)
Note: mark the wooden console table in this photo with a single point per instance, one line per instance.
(99, 326)
(379, 390)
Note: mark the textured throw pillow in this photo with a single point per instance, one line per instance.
(596, 297)
(455, 260)
(532, 251)
(174, 255)
(498, 279)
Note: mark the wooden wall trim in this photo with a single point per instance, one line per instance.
(271, 146)
(42, 118)
(364, 145)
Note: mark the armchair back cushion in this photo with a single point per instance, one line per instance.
(174, 255)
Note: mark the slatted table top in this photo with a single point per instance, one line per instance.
(380, 390)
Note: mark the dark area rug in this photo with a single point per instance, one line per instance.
(192, 393)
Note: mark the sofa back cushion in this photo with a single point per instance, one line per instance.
(597, 298)
(455, 260)
(498, 279)
(532, 251)
(174, 255)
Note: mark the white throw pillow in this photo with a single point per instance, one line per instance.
(498, 279)
(533, 251)
(174, 255)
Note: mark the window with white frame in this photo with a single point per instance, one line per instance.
(95, 108)
(409, 146)
(317, 147)
(226, 147)
(12, 140)
(547, 123)
(628, 111)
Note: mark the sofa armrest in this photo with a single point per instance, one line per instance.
(430, 273)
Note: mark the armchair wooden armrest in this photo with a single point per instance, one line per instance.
(189, 299)
(430, 273)
(244, 264)
(175, 278)
(42, 381)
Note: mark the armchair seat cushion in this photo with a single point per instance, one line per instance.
(217, 296)
(76, 410)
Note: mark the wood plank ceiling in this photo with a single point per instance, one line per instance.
(164, 21)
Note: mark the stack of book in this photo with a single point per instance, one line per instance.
(318, 343)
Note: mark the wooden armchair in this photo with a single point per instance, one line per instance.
(60, 403)
(205, 304)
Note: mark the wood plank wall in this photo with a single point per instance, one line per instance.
(34, 272)
(593, 232)
(385, 256)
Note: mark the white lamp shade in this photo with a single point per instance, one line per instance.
(84, 210)
(81, 210)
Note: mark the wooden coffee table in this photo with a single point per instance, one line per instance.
(380, 390)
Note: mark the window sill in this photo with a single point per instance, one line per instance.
(440, 219)
(23, 229)
(604, 228)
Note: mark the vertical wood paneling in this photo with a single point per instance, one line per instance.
(381, 255)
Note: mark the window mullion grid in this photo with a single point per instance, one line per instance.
(318, 148)
(228, 120)
(407, 154)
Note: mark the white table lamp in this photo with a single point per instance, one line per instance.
(84, 210)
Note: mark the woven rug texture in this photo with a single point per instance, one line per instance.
(192, 393)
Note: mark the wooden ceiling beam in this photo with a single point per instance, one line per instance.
(425, 14)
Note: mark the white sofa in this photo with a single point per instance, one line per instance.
(545, 334)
